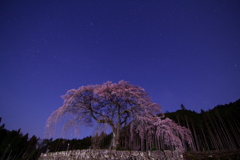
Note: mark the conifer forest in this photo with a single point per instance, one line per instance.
(217, 129)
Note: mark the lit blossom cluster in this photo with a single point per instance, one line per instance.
(161, 128)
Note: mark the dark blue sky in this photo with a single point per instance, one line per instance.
(180, 52)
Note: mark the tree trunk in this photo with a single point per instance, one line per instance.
(233, 129)
(205, 140)
(115, 139)
(194, 135)
(228, 135)
(142, 145)
(213, 138)
(116, 133)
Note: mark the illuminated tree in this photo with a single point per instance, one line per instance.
(112, 104)
(161, 129)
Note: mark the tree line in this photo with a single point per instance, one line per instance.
(215, 129)
(14, 145)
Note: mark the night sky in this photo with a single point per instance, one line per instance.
(180, 52)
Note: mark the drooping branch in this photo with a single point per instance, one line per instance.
(162, 128)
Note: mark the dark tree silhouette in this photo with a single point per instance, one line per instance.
(215, 129)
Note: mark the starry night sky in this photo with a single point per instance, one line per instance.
(180, 52)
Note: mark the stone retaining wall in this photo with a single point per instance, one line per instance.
(104, 154)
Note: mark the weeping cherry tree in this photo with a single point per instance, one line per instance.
(113, 104)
